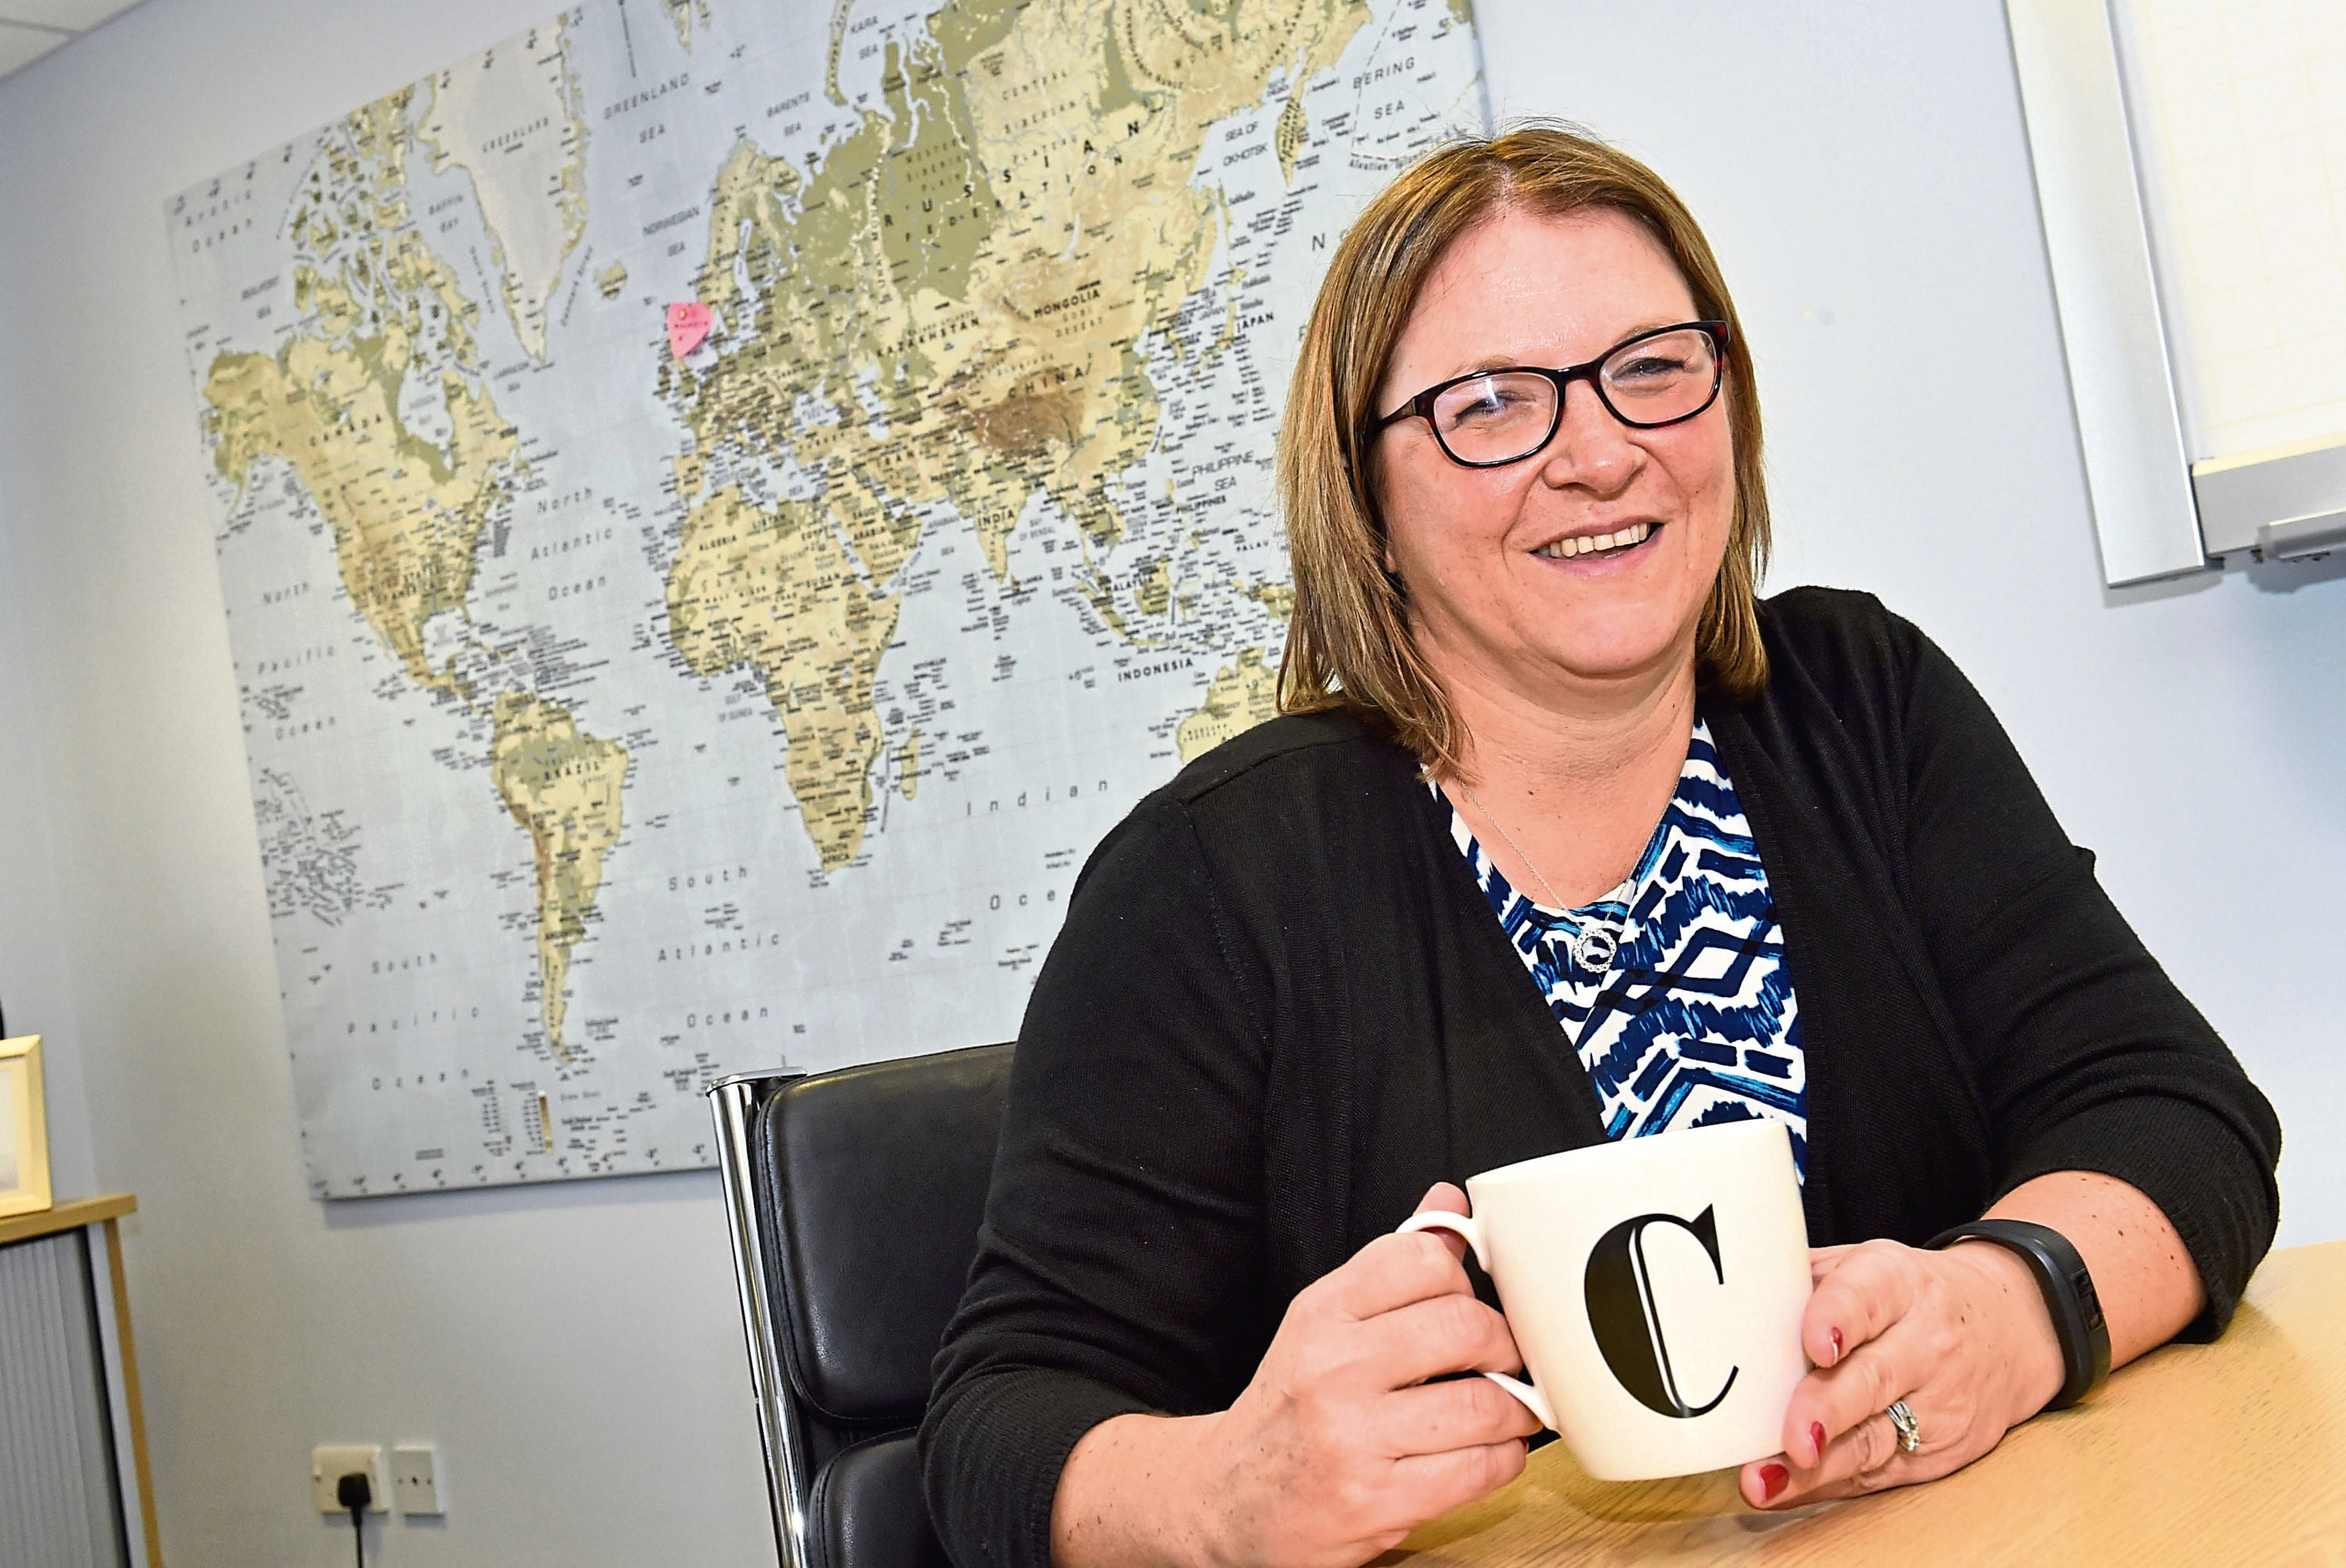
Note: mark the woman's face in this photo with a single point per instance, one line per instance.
(1494, 601)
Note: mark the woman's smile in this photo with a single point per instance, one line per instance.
(1601, 546)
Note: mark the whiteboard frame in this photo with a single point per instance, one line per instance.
(2097, 239)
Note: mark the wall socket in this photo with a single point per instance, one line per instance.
(328, 1465)
(415, 1478)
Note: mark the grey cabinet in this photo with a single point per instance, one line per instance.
(73, 1450)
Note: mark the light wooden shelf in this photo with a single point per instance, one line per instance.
(71, 1215)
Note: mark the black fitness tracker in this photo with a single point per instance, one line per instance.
(2069, 1289)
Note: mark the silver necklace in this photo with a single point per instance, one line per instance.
(1594, 946)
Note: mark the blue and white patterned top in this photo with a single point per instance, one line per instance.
(1690, 1019)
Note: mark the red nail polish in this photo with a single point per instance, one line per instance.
(1773, 1479)
(1817, 1438)
(1836, 1350)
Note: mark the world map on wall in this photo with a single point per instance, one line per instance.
(624, 710)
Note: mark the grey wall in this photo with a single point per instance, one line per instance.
(1863, 172)
(572, 1349)
(35, 971)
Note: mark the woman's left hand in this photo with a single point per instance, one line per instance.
(1960, 1335)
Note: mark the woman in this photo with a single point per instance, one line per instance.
(1549, 763)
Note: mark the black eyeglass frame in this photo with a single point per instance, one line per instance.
(1422, 405)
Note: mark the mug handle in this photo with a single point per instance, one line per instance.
(1464, 1227)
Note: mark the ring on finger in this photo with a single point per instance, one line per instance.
(1910, 1430)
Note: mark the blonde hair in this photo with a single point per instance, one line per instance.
(1349, 644)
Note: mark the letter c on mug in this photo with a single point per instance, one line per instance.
(1625, 1321)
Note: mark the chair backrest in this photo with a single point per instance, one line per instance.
(855, 1198)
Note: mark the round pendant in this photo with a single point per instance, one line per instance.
(1594, 948)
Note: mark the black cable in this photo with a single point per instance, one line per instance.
(354, 1494)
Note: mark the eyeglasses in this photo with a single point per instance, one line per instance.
(1488, 418)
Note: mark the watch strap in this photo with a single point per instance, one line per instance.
(2067, 1287)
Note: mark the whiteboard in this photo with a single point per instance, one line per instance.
(2240, 131)
(2191, 169)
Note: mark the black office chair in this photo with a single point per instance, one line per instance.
(854, 1198)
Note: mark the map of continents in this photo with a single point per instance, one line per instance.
(618, 719)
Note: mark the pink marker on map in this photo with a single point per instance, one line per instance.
(687, 328)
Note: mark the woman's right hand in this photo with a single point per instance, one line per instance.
(1336, 1449)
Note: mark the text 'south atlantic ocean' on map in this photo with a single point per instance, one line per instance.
(617, 721)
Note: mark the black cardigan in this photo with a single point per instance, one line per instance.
(1281, 1009)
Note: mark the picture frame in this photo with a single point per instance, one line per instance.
(24, 1129)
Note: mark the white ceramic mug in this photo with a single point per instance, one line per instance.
(1655, 1287)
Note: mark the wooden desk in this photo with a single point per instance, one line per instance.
(2233, 1453)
